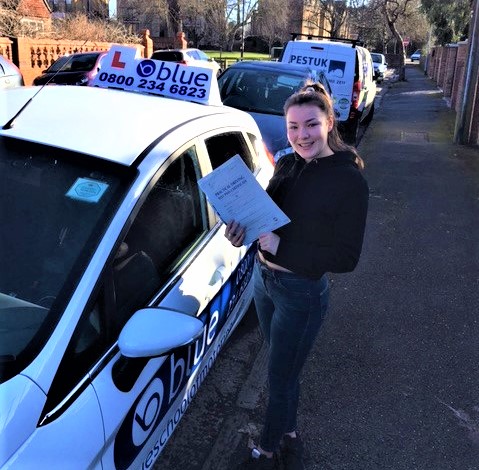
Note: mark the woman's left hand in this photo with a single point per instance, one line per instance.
(235, 233)
(269, 242)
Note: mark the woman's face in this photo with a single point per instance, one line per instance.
(308, 128)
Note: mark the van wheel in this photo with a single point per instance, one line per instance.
(369, 117)
(351, 133)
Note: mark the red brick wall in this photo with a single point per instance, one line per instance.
(458, 85)
(449, 70)
(474, 138)
(6, 48)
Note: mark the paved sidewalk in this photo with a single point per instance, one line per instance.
(393, 382)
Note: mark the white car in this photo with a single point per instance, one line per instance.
(380, 66)
(416, 55)
(189, 56)
(118, 288)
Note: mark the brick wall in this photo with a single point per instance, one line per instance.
(460, 65)
(446, 65)
(6, 48)
(449, 70)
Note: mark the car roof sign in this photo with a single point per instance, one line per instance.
(123, 69)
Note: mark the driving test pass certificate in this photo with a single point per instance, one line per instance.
(235, 194)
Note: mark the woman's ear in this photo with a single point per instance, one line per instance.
(330, 124)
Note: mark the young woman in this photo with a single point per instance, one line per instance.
(323, 192)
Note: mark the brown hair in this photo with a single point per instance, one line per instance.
(314, 93)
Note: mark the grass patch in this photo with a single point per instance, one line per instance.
(236, 56)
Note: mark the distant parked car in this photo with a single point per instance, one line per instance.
(416, 56)
(380, 66)
(188, 56)
(10, 75)
(261, 89)
(72, 69)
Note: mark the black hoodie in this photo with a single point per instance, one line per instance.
(327, 202)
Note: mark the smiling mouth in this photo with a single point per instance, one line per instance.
(306, 145)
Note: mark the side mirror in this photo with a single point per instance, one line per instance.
(153, 332)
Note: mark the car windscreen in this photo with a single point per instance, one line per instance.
(167, 56)
(376, 58)
(79, 63)
(262, 92)
(54, 207)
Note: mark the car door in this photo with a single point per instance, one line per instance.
(176, 258)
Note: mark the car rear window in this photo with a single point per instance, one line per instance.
(168, 56)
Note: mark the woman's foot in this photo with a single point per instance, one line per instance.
(292, 451)
(260, 460)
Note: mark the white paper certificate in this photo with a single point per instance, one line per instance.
(236, 195)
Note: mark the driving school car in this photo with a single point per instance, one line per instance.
(118, 288)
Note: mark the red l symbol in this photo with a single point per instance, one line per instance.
(116, 61)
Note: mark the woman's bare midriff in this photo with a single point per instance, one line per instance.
(272, 265)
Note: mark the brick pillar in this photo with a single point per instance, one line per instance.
(147, 42)
(180, 40)
(458, 86)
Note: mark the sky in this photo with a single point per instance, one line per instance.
(112, 7)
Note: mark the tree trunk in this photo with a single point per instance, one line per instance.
(399, 39)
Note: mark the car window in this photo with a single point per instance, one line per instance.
(202, 55)
(168, 56)
(224, 146)
(194, 55)
(170, 221)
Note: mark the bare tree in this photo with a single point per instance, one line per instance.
(394, 12)
(272, 21)
(144, 14)
(81, 27)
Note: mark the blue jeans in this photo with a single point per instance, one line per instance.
(290, 311)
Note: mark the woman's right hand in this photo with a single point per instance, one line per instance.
(235, 233)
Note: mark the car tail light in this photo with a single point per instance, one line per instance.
(183, 62)
(356, 91)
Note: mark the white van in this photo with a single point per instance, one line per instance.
(350, 71)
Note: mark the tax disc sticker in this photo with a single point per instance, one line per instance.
(87, 190)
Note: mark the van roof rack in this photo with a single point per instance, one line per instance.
(354, 42)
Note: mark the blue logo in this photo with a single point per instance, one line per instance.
(146, 68)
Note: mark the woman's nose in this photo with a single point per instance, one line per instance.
(303, 132)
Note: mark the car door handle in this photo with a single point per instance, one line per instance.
(218, 277)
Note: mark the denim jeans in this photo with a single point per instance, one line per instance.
(290, 311)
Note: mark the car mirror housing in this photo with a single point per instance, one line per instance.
(153, 332)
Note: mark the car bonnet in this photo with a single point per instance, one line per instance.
(111, 124)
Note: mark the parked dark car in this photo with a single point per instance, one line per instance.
(10, 75)
(72, 69)
(261, 89)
